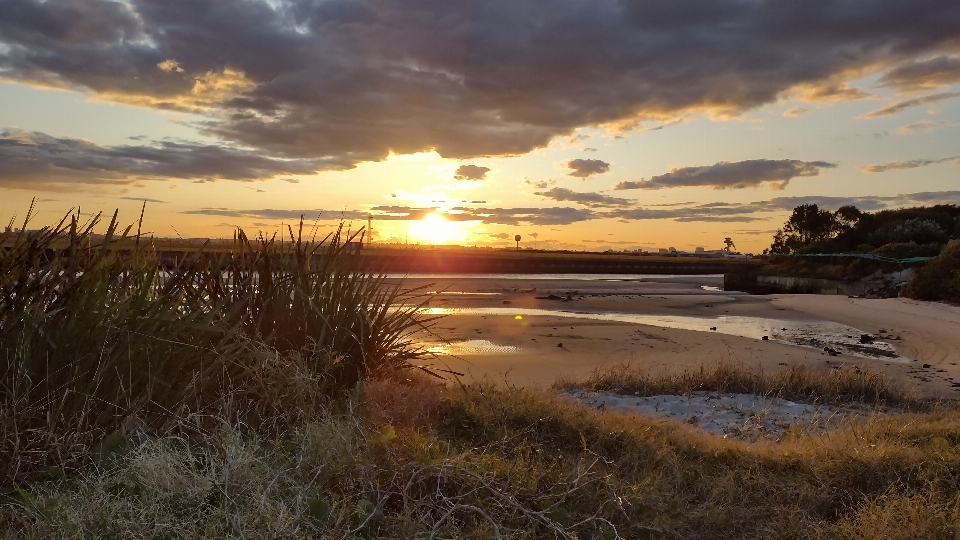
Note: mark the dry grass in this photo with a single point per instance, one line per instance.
(848, 385)
(402, 457)
(141, 438)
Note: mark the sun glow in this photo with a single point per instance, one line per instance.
(434, 229)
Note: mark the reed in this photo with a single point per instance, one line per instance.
(95, 337)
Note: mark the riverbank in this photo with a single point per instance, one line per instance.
(537, 350)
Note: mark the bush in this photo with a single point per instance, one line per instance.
(939, 279)
(921, 231)
(906, 250)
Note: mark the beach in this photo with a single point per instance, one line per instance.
(534, 330)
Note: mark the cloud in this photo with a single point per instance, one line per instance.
(587, 199)
(909, 164)
(585, 168)
(275, 214)
(736, 175)
(540, 184)
(924, 74)
(795, 112)
(471, 172)
(923, 126)
(143, 199)
(898, 106)
(34, 160)
(722, 212)
(747, 212)
(353, 80)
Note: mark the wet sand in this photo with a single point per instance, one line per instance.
(538, 350)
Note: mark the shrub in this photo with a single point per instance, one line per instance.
(939, 279)
(905, 250)
(921, 231)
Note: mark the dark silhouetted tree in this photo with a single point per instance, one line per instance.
(809, 224)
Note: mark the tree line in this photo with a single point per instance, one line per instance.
(904, 232)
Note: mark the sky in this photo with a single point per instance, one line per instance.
(577, 124)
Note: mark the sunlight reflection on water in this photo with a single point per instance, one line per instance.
(472, 346)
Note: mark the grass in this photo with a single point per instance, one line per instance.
(402, 457)
(200, 404)
(96, 340)
(847, 385)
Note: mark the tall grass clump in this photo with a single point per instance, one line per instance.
(98, 338)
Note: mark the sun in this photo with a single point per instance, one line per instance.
(434, 229)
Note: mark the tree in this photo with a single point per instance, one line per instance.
(728, 244)
(809, 224)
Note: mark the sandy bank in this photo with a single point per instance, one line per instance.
(538, 350)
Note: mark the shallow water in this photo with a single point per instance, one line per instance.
(472, 346)
(569, 277)
(810, 334)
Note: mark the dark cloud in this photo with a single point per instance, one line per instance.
(471, 172)
(588, 199)
(353, 80)
(739, 174)
(39, 161)
(898, 106)
(909, 164)
(584, 168)
(923, 74)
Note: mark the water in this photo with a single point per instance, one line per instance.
(472, 346)
(811, 334)
(568, 277)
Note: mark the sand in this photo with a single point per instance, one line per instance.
(538, 350)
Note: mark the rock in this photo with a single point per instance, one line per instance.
(927, 366)
(713, 327)
(560, 345)
(866, 338)
(505, 302)
(765, 338)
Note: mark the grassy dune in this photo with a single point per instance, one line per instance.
(262, 397)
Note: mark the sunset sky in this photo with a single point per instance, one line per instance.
(579, 124)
